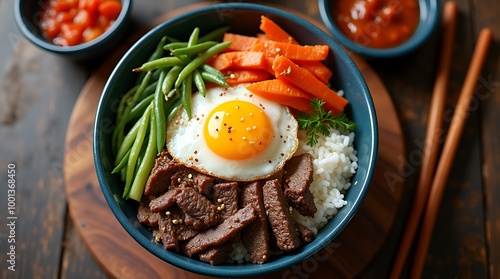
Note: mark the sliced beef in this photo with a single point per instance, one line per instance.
(177, 218)
(255, 236)
(164, 201)
(159, 180)
(297, 177)
(279, 216)
(188, 177)
(144, 215)
(171, 229)
(217, 254)
(194, 223)
(166, 233)
(221, 233)
(305, 234)
(196, 205)
(225, 198)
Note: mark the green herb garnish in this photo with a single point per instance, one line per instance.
(320, 121)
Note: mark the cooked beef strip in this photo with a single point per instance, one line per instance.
(297, 177)
(255, 236)
(222, 232)
(197, 205)
(181, 230)
(279, 216)
(194, 223)
(144, 215)
(305, 234)
(225, 198)
(166, 233)
(217, 254)
(164, 201)
(159, 179)
(189, 177)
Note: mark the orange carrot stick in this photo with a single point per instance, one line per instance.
(239, 60)
(279, 92)
(274, 31)
(244, 76)
(289, 72)
(240, 42)
(318, 69)
(292, 51)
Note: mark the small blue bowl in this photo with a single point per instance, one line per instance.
(429, 18)
(243, 18)
(27, 14)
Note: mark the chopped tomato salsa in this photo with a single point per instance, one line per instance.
(377, 23)
(72, 22)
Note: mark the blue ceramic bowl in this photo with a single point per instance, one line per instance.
(244, 19)
(429, 17)
(27, 14)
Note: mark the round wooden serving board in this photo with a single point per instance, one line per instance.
(121, 256)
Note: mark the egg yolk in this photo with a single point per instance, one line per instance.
(238, 130)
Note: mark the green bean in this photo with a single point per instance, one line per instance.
(210, 69)
(117, 136)
(187, 90)
(199, 82)
(193, 38)
(136, 149)
(146, 164)
(139, 109)
(145, 98)
(123, 162)
(123, 102)
(159, 63)
(214, 35)
(169, 80)
(173, 40)
(127, 142)
(173, 109)
(217, 79)
(159, 101)
(198, 61)
(150, 89)
(192, 50)
(159, 49)
(155, 55)
(175, 45)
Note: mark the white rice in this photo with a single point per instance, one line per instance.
(334, 163)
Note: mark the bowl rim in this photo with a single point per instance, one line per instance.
(428, 24)
(37, 39)
(246, 269)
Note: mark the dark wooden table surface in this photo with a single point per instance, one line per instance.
(38, 91)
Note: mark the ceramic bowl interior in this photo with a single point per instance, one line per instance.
(243, 19)
(429, 17)
(28, 13)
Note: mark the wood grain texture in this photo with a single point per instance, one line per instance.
(488, 96)
(31, 135)
(120, 256)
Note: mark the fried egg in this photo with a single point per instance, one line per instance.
(233, 134)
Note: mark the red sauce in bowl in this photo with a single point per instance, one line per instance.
(377, 23)
(72, 22)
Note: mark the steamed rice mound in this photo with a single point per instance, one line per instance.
(334, 163)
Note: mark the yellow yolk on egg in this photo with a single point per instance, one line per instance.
(238, 130)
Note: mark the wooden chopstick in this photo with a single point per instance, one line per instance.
(432, 140)
(449, 149)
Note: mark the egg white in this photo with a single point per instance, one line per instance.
(186, 143)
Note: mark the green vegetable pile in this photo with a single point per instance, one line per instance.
(164, 84)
